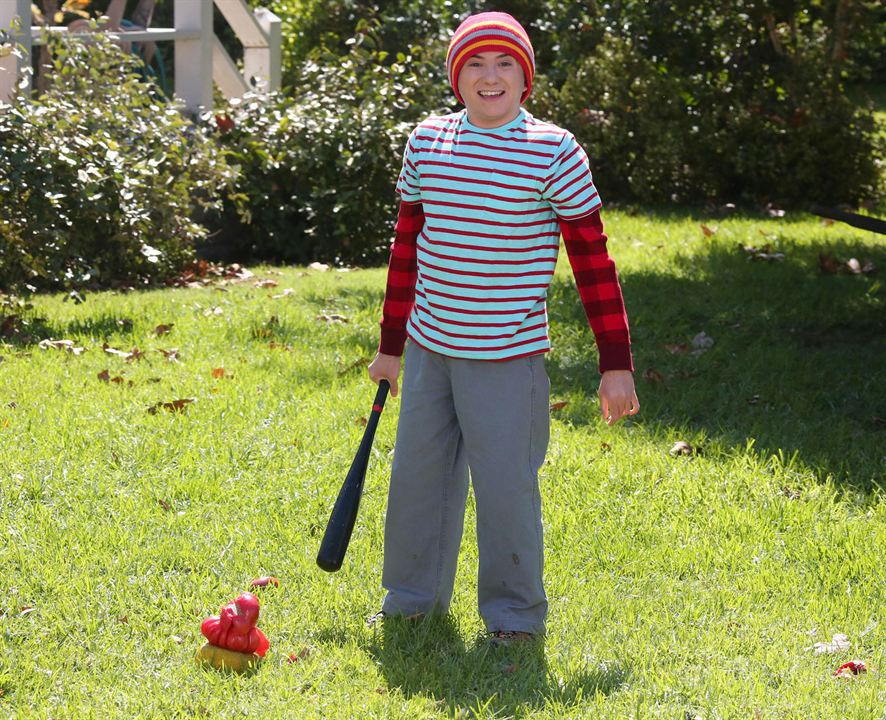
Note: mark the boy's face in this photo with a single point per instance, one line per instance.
(491, 84)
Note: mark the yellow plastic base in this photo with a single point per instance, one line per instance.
(227, 660)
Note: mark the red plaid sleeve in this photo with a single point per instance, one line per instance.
(599, 289)
(402, 272)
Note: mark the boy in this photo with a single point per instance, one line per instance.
(484, 195)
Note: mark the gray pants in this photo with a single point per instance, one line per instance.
(494, 418)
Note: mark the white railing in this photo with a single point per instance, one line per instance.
(200, 57)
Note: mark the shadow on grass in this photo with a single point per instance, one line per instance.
(796, 366)
(430, 659)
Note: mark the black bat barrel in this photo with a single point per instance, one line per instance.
(344, 513)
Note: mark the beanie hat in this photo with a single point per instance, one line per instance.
(486, 32)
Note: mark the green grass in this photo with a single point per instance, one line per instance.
(679, 586)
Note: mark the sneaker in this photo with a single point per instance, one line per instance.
(503, 638)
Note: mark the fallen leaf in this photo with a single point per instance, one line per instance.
(774, 211)
(171, 355)
(826, 222)
(264, 581)
(279, 346)
(653, 375)
(675, 348)
(702, 341)
(361, 421)
(176, 639)
(838, 643)
(213, 311)
(26, 610)
(74, 297)
(753, 400)
(605, 447)
(218, 372)
(165, 505)
(707, 231)
(792, 494)
(125, 323)
(104, 376)
(559, 405)
(163, 329)
(302, 654)
(171, 406)
(681, 447)
(132, 355)
(850, 669)
(68, 345)
(322, 267)
(287, 291)
(266, 284)
(123, 619)
(332, 318)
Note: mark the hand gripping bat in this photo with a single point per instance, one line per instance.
(344, 512)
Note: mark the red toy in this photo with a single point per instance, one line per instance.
(235, 643)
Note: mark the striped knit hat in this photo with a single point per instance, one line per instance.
(487, 32)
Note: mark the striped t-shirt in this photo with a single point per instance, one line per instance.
(492, 201)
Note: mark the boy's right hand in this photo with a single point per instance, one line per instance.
(385, 367)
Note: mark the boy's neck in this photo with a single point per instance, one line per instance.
(482, 126)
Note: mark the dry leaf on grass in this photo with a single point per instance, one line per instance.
(332, 318)
(67, 345)
(132, 355)
(681, 447)
(171, 406)
(839, 642)
(287, 291)
(163, 329)
(653, 375)
(266, 283)
(302, 654)
(707, 231)
(322, 267)
(264, 582)
(218, 372)
(833, 265)
(559, 405)
(171, 354)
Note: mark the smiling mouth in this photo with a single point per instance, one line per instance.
(491, 93)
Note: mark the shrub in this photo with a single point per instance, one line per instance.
(318, 170)
(747, 109)
(99, 176)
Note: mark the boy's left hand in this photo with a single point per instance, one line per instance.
(617, 395)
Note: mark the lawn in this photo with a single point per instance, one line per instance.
(681, 585)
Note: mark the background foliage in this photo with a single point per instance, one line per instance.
(697, 102)
(99, 178)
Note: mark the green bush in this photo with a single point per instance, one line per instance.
(318, 170)
(695, 101)
(99, 177)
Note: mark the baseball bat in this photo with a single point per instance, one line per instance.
(344, 513)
